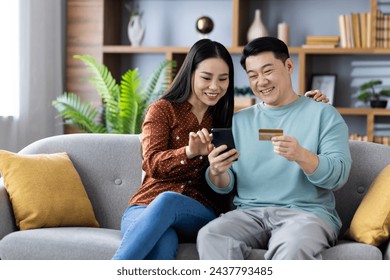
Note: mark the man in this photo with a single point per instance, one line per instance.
(284, 186)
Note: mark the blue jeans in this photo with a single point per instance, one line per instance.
(153, 231)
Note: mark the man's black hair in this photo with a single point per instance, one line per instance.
(265, 44)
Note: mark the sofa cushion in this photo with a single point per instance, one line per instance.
(344, 250)
(62, 243)
(371, 222)
(45, 190)
(351, 250)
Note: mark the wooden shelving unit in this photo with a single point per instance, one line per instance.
(370, 115)
(94, 28)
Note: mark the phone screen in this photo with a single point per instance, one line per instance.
(223, 136)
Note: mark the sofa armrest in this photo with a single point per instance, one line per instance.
(7, 220)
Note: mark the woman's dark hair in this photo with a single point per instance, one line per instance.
(265, 44)
(181, 87)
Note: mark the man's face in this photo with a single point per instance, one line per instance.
(270, 79)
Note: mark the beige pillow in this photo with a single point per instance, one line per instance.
(45, 191)
(371, 222)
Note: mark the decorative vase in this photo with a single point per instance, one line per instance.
(135, 30)
(204, 25)
(283, 32)
(257, 28)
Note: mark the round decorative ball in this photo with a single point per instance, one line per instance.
(204, 25)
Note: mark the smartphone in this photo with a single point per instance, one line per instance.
(223, 136)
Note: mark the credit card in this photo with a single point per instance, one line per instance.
(266, 134)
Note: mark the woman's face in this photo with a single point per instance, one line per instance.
(210, 82)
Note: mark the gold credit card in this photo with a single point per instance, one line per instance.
(266, 134)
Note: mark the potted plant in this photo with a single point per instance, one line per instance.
(124, 104)
(369, 93)
(244, 97)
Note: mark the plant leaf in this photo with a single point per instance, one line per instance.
(129, 101)
(79, 114)
(106, 87)
(385, 92)
(158, 81)
(154, 87)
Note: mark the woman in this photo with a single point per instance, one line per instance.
(174, 201)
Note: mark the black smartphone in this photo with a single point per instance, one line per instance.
(223, 136)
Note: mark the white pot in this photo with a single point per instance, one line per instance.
(135, 30)
(257, 28)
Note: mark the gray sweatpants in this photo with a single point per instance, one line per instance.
(286, 233)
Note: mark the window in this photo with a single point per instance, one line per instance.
(9, 58)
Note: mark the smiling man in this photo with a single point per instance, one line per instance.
(285, 179)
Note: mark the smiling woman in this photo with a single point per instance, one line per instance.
(9, 57)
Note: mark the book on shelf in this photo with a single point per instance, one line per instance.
(384, 140)
(356, 25)
(369, 31)
(382, 133)
(363, 29)
(320, 46)
(321, 39)
(349, 32)
(355, 30)
(343, 32)
(382, 38)
(355, 136)
(321, 42)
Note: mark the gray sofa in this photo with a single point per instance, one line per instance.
(110, 168)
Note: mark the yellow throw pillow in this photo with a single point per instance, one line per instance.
(45, 191)
(371, 222)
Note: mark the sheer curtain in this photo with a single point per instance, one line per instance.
(42, 62)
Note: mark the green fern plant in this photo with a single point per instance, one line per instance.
(124, 104)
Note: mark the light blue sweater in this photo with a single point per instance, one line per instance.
(265, 179)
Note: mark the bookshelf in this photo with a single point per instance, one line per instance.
(369, 114)
(96, 27)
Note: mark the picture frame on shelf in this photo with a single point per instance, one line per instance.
(325, 83)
